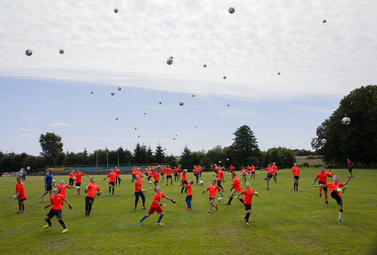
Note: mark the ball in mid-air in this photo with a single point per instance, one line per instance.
(61, 51)
(112, 93)
(231, 10)
(204, 65)
(116, 10)
(323, 141)
(201, 183)
(220, 199)
(119, 88)
(74, 178)
(28, 52)
(181, 103)
(324, 21)
(169, 61)
(346, 121)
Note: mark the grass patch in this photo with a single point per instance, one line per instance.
(282, 221)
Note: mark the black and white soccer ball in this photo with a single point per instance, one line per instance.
(181, 103)
(28, 52)
(323, 141)
(116, 10)
(231, 10)
(346, 121)
(220, 199)
(169, 61)
(61, 51)
(201, 183)
(112, 93)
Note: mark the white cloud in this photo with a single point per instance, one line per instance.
(249, 47)
(26, 129)
(31, 119)
(60, 124)
(27, 135)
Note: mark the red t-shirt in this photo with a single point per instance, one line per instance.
(296, 171)
(20, 188)
(175, 170)
(157, 199)
(57, 201)
(236, 184)
(252, 168)
(189, 190)
(332, 186)
(184, 176)
(156, 176)
(92, 188)
(138, 184)
(212, 190)
(116, 171)
(62, 188)
(231, 169)
(248, 193)
(168, 171)
(111, 176)
(71, 175)
(220, 175)
(322, 177)
(78, 177)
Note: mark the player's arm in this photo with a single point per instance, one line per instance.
(47, 206)
(204, 191)
(256, 193)
(170, 199)
(69, 205)
(315, 181)
(319, 186)
(345, 183)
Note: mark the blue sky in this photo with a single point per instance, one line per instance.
(319, 63)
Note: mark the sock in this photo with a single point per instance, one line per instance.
(49, 222)
(320, 191)
(297, 186)
(89, 208)
(113, 191)
(62, 223)
(325, 197)
(294, 186)
(109, 190)
(241, 200)
(159, 218)
(247, 216)
(230, 200)
(135, 205)
(145, 216)
(23, 207)
(340, 214)
(19, 207)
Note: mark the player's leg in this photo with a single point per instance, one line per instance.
(48, 217)
(59, 217)
(160, 218)
(325, 191)
(137, 194)
(143, 199)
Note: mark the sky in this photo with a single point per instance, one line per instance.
(70, 94)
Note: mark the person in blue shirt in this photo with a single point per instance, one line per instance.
(48, 183)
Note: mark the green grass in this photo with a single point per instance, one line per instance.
(300, 160)
(282, 221)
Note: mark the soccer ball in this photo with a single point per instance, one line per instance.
(224, 77)
(181, 103)
(160, 102)
(112, 93)
(28, 52)
(14, 196)
(74, 178)
(169, 61)
(201, 183)
(116, 118)
(323, 141)
(204, 65)
(149, 182)
(279, 73)
(119, 88)
(220, 199)
(346, 121)
(61, 51)
(231, 10)
(116, 10)
(324, 21)
(53, 180)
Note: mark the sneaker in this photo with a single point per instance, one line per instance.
(342, 190)
(327, 202)
(217, 208)
(19, 212)
(159, 223)
(320, 195)
(340, 220)
(247, 223)
(65, 230)
(139, 223)
(144, 208)
(47, 226)
(188, 209)
(222, 194)
(226, 203)
(209, 212)
(41, 198)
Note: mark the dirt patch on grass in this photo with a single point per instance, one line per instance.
(57, 245)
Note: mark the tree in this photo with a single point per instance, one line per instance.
(186, 160)
(245, 147)
(51, 144)
(357, 141)
(140, 154)
(282, 156)
(159, 156)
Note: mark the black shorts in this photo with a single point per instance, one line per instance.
(48, 187)
(22, 199)
(78, 184)
(269, 176)
(176, 174)
(247, 207)
(112, 183)
(350, 170)
(296, 177)
(169, 176)
(155, 182)
(324, 188)
(184, 182)
(335, 195)
(137, 194)
(53, 212)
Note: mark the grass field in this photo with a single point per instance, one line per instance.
(282, 221)
(300, 160)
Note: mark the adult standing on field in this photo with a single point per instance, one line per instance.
(350, 166)
(78, 176)
(296, 176)
(21, 195)
(90, 191)
(48, 183)
(322, 181)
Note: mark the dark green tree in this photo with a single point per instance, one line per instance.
(140, 154)
(357, 141)
(245, 147)
(159, 155)
(282, 156)
(186, 160)
(51, 144)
